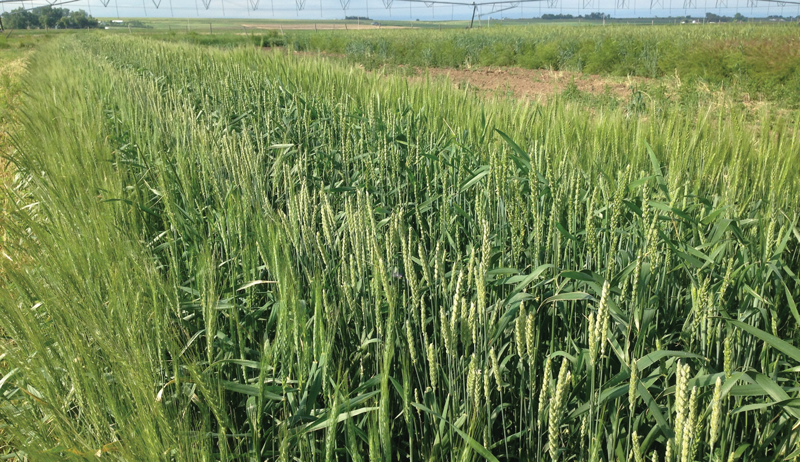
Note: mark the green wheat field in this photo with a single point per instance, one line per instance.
(219, 253)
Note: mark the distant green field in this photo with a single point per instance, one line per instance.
(235, 24)
(241, 24)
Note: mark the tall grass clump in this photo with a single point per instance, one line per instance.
(249, 256)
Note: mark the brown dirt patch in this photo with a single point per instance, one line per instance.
(533, 84)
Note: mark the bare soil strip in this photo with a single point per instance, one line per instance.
(534, 84)
(512, 82)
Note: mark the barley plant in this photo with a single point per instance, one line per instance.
(232, 255)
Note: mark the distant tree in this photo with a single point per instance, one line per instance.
(20, 19)
(557, 16)
(711, 17)
(77, 20)
(48, 17)
(739, 17)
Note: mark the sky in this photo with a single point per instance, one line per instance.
(402, 10)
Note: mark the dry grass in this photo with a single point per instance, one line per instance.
(11, 70)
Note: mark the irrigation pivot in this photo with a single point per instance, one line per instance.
(475, 5)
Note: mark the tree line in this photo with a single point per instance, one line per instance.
(48, 17)
(596, 15)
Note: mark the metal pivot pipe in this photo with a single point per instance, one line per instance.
(474, 10)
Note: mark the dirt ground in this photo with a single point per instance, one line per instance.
(533, 84)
